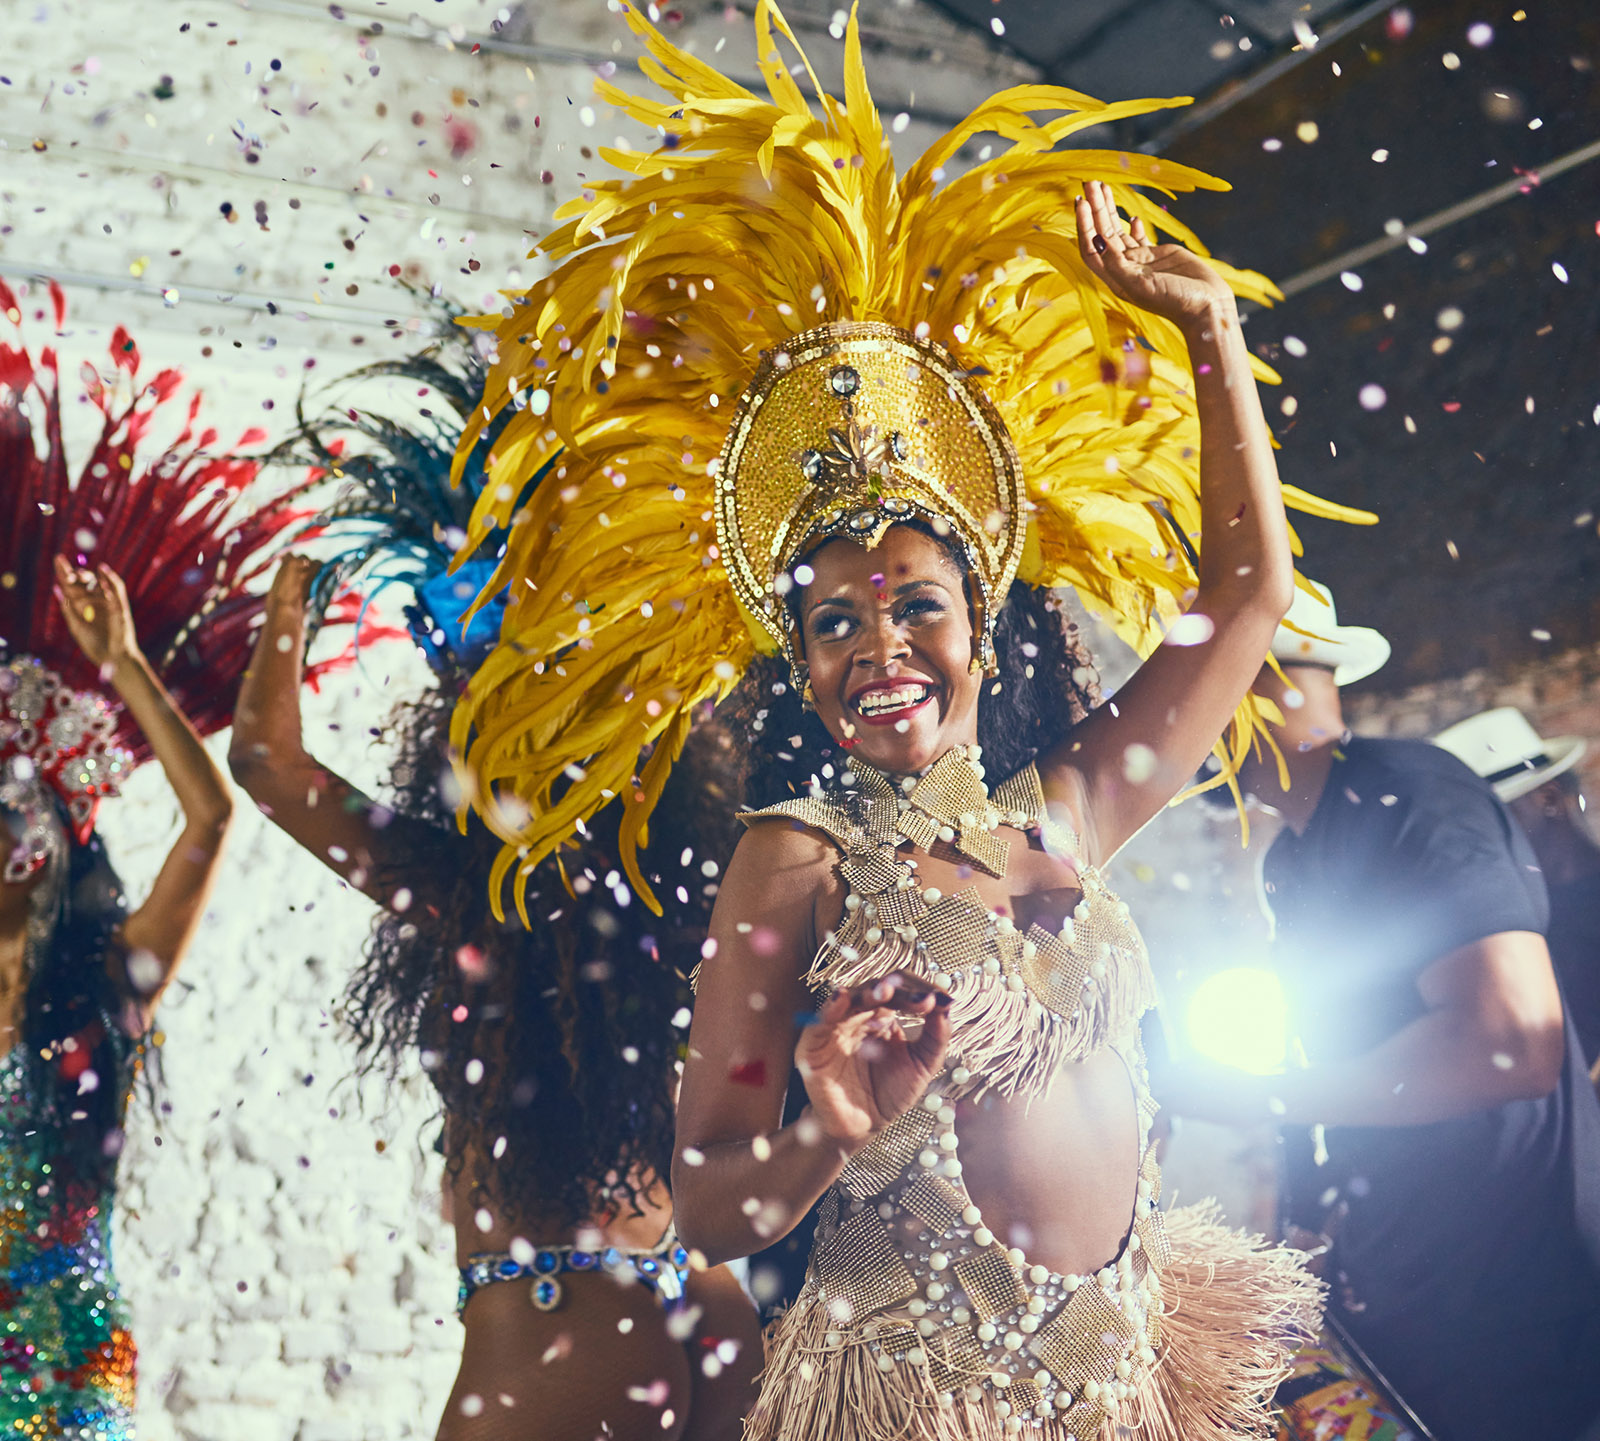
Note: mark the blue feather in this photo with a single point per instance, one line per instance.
(396, 519)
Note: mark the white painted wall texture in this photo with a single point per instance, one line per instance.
(289, 1274)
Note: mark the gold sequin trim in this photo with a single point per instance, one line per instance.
(954, 929)
(869, 872)
(934, 1202)
(861, 1271)
(991, 1283)
(878, 1165)
(1152, 1232)
(1055, 973)
(1085, 1338)
(1023, 1395)
(955, 1358)
(1023, 793)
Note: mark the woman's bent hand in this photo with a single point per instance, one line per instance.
(1166, 280)
(860, 1069)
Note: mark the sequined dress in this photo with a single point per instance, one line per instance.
(915, 1322)
(67, 1358)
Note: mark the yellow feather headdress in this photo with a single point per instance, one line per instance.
(755, 222)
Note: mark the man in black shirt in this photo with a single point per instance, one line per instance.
(1443, 1132)
(1536, 780)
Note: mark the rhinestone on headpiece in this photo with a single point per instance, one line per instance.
(53, 738)
(848, 429)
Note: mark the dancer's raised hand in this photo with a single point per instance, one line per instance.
(291, 585)
(95, 605)
(1166, 280)
(860, 1069)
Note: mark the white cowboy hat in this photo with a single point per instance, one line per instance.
(1311, 635)
(1502, 746)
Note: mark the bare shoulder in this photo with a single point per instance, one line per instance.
(779, 840)
(781, 893)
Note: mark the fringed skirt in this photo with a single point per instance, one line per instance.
(1233, 1312)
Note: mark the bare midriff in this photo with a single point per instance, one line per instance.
(1056, 1174)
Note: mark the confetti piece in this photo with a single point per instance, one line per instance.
(1191, 628)
(749, 1073)
(1138, 764)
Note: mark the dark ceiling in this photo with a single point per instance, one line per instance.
(1121, 49)
(1453, 385)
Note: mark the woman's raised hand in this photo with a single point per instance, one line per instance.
(1166, 280)
(95, 605)
(860, 1070)
(291, 584)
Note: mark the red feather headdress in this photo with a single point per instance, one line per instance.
(174, 525)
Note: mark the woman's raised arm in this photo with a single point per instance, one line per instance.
(155, 936)
(1126, 761)
(341, 826)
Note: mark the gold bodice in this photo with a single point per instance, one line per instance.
(902, 1260)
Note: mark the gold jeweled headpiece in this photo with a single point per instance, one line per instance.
(847, 429)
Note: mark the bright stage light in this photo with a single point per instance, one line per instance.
(1239, 1017)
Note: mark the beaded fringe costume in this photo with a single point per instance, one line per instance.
(998, 385)
(915, 1321)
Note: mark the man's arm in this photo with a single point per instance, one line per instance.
(1493, 1033)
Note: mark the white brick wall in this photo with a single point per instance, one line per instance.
(263, 1237)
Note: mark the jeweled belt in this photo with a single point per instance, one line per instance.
(663, 1268)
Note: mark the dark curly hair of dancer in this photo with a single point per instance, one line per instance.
(554, 1051)
(1046, 684)
(71, 1019)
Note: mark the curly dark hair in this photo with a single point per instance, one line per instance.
(1046, 684)
(555, 1050)
(72, 1021)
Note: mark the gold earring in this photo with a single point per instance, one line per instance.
(800, 679)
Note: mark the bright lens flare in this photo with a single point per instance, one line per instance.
(1238, 1017)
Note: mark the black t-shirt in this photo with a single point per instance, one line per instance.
(1451, 1239)
(1574, 939)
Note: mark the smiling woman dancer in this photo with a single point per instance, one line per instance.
(1001, 377)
